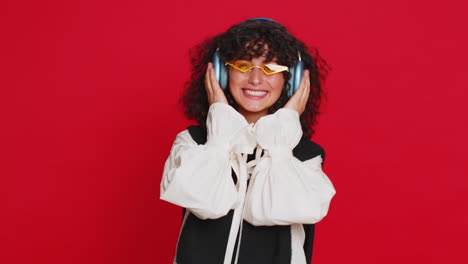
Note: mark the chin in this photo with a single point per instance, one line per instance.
(253, 107)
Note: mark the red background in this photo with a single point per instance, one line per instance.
(88, 116)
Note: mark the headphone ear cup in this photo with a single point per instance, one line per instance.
(296, 77)
(223, 77)
(291, 90)
(220, 71)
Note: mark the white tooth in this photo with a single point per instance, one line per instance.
(255, 93)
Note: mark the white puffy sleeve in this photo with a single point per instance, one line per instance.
(284, 190)
(198, 177)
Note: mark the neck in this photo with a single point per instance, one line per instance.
(252, 117)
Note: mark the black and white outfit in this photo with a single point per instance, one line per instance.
(251, 192)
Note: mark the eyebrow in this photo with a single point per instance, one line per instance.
(249, 57)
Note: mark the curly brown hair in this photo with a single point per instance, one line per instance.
(250, 39)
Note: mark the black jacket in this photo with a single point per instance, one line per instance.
(204, 241)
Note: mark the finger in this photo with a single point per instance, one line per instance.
(298, 92)
(293, 100)
(306, 87)
(307, 91)
(218, 93)
(296, 98)
(302, 86)
(209, 71)
(208, 87)
(214, 83)
(304, 93)
(299, 99)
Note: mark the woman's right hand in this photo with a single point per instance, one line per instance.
(213, 90)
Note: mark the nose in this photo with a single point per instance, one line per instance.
(256, 76)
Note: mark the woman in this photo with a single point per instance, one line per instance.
(249, 178)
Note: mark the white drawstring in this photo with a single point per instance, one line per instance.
(240, 169)
(244, 143)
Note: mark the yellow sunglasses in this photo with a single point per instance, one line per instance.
(268, 69)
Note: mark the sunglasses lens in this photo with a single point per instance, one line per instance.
(274, 68)
(268, 69)
(242, 66)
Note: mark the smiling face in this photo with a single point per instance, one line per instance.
(254, 91)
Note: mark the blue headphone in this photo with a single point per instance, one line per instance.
(296, 71)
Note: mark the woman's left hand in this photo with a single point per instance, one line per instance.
(299, 99)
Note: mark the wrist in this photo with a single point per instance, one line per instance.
(283, 128)
(223, 122)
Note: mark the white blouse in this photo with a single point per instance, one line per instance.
(282, 189)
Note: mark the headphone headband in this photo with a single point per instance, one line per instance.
(295, 71)
(262, 19)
